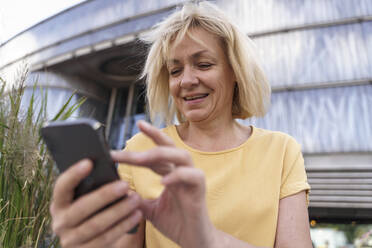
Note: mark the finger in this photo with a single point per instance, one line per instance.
(160, 159)
(116, 232)
(149, 205)
(159, 167)
(155, 134)
(186, 175)
(103, 221)
(159, 154)
(63, 192)
(91, 203)
(132, 238)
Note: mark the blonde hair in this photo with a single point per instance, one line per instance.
(252, 94)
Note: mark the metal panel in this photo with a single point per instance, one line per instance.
(326, 120)
(259, 15)
(367, 37)
(342, 180)
(327, 186)
(342, 192)
(83, 20)
(317, 55)
(350, 205)
(342, 199)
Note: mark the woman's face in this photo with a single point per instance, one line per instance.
(201, 80)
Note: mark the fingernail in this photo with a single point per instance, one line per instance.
(114, 152)
(133, 198)
(165, 180)
(144, 123)
(84, 165)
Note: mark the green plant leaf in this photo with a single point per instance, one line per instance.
(63, 108)
(26, 169)
(3, 125)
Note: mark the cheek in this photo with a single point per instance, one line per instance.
(224, 84)
(226, 91)
(173, 88)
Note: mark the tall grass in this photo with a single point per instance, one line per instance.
(26, 169)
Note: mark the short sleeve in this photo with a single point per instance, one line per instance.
(294, 179)
(125, 172)
(138, 143)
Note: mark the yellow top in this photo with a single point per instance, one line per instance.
(244, 184)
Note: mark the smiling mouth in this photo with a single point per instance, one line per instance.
(190, 98)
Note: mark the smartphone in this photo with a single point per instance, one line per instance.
(72, 140)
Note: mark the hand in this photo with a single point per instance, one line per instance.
(180, 212)
(78, 224)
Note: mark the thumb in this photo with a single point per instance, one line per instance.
(148, 207)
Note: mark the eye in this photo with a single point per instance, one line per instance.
(204, 65)
(174, 72)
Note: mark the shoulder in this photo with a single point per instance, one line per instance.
(141, 142)
(275, 139)
(274, 136)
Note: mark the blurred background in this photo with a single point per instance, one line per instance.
(317, 55)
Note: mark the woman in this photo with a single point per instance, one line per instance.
(213, 182)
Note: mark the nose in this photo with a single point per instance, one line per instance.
(189, 78)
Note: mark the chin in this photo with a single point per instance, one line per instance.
(195, 117)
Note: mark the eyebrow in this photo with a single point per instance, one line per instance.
(193, 56)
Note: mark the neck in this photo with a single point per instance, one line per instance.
(213, 136)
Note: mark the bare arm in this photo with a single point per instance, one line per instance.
(293, 222)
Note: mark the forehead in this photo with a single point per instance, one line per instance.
(196, 42)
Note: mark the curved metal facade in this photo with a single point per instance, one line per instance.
(327, 120)
(317, 55)
(92, 25)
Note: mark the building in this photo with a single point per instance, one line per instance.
(317, 55)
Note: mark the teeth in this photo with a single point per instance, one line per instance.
(195, 97)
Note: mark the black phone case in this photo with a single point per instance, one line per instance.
(70, 141)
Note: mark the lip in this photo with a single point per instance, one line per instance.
(197, 100)
(195, 95)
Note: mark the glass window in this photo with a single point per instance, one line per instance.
(119, 133)
(117, 130)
